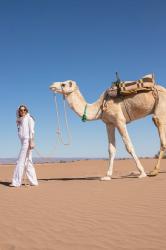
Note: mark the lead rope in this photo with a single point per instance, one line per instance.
(58, 130)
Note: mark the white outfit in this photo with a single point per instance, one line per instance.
(24, 163)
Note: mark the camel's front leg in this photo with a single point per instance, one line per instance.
(111, 150)
(126, 139)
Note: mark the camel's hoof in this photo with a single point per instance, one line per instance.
(105, 178)
(153, 173)
(142, 175)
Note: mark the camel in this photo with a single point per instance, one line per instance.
(116, 113)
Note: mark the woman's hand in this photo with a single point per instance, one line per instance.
(31, 143)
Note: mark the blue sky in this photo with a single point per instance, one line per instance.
(43, 41)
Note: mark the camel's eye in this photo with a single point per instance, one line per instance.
(62, 85)
(70, 84)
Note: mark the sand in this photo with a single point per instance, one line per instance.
(72, 209)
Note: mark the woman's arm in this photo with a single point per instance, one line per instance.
(31, 133)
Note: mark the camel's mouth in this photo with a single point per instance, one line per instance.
(54, 88)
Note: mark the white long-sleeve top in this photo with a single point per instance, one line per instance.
(26, 126)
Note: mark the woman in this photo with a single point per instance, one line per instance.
(25, 124)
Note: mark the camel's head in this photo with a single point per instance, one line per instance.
(65, 88)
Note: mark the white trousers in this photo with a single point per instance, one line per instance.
(24, 165)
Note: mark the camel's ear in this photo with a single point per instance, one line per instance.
(70, 84)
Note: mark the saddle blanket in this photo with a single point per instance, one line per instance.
(123, 88)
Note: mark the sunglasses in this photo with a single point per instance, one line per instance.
(20, 110)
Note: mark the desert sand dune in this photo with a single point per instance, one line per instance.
(72, 209)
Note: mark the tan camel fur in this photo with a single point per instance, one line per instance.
(116, 113)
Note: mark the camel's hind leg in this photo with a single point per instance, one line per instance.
(162, 133)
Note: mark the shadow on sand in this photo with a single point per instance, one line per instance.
(70, 179)
(5, 183)
(97, 178)
(94, 178)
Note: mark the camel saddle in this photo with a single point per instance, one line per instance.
(123, 88)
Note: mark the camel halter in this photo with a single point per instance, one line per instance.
(58, 130)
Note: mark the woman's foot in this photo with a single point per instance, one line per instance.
(105, 178)
(34, 185)
(12, 185)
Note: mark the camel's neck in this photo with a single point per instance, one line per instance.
(77, 103)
